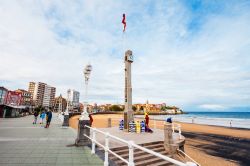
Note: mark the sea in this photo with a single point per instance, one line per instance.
(226, 119)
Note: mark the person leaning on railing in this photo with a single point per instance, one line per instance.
(91, 119)
(147, 129)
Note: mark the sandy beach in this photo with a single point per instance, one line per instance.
(208, 145)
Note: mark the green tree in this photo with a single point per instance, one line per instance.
(141, 109)
(115, 108)
(163, 108)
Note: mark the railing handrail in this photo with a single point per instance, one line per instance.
(188, 157)
(112, 136)
(131, 146)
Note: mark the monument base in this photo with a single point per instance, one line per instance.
(81, 140)
(171, 143)
(65, 121)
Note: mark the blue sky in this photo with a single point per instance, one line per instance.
(193, 54)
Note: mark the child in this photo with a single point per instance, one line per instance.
(42, 116)
(35, 117)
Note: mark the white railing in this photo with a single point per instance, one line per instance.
(188, 157)
(131, 145)
(176, 126)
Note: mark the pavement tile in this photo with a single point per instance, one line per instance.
(36, 146)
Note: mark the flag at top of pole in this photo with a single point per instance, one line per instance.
(124, 22)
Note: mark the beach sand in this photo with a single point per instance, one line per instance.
(208, 145)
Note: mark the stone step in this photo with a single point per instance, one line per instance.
(140, 157)
(162, 163)
(151, 161)
(144, 145)
(138, 152)
(125, 149)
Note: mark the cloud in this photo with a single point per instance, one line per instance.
(177, 60)
(212, 107)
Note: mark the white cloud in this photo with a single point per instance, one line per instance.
(52, 41)
(212, 107)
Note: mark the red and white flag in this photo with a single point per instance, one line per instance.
(124, 22)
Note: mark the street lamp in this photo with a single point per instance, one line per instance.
(66, 112)
(87, 70)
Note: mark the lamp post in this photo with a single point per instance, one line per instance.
(84, 120)
(66, 113)
(87, 70)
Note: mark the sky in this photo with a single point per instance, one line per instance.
(189, 53)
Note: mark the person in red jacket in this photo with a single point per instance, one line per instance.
(147, 129)
(91, 119)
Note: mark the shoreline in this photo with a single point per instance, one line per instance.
(206, 144)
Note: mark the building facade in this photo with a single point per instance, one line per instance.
(73, 99)
(42, 94)
(60, 104)
(3, 94)
(26, 97)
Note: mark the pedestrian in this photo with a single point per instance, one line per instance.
(42, 116)
(169, 120)
(48, 118)
(147, 129)
(91, 119)
(35, 116)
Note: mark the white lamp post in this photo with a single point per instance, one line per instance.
(87, 70)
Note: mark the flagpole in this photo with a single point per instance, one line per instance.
(123, 41)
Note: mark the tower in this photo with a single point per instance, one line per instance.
(128, 112)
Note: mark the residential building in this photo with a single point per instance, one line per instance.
(73, 98)
(42, 94)
(60, 104)
(31, 88)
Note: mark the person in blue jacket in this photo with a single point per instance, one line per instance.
(42, 116)
(48, 118)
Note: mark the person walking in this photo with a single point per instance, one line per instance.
(42, 116)
(48, 118)
(35, 116)
(147, 129)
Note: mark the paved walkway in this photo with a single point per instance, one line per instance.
(25, 144)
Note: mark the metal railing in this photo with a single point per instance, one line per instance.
(131, 145)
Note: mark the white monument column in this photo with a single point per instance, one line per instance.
(128, 112)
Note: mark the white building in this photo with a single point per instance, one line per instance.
(73, 98)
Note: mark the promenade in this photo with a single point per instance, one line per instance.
(25, 144)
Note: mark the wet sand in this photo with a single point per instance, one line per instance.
(208, 145)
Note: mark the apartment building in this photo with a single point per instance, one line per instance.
(73, 98)
(43, 94)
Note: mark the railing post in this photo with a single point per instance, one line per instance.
(131, 153)
(154, 124)
(179, 130)
(106, 160)
(173, 127)
(93, 140)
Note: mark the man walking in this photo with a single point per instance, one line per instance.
(48, 118)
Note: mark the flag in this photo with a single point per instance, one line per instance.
(124, 22)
